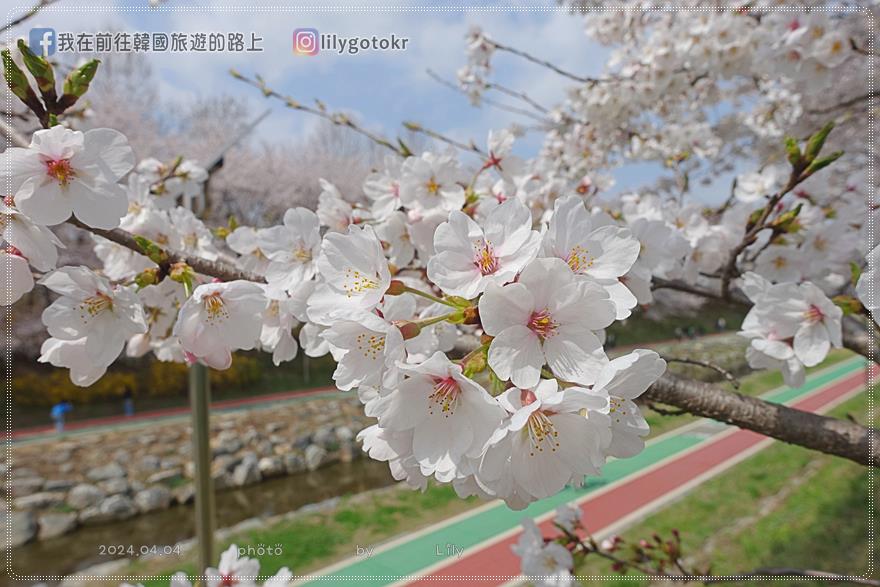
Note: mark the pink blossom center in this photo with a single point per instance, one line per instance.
(542, 324)
(445, 396)
(60, 170)
(492, 161)
(486, 260)
(227, 580)
(813, 314)
(527, 397)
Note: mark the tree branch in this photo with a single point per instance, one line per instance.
(32, 12)
(337, 118)
(708, 365)
(829, 435)
(218, 269)
(858, 338)
(470, 146)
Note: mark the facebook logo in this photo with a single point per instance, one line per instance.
(42, 41)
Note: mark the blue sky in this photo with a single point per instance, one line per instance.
(380, 88)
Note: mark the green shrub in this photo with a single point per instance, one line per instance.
(46, 387)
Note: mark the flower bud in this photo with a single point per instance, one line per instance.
(77, 82)
(395, 288)
(471, 315)
(40, 69)
(147, 277)
(408, 329)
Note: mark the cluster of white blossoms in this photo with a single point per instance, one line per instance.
(464, 302)
(545, 562)
(468, 318)
(789, 327)
(234, 569)
(702, 84)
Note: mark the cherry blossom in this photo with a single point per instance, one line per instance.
(547, 316)
(66, 172)
(624, 379)
(278, 324)
(37, 244)
(17, 277)
(292, 248)
(751, 187)
(366, 351)
(469, 257)
(545, 443)
(219, 318)
(354, 272)
(93, 310)
(333, 211)
(431, 181)
(233, 570)
(451, 416)
(383, 188)
(869, 280)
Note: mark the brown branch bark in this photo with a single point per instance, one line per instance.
(218, 269)
(829, 435)
(858, 337)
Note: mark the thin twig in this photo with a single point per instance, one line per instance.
(470, 146)
(489, 101)
(665, 411)
(708, 365)
(547, 64)
(845, 104)
(337, 118)
(30, 13)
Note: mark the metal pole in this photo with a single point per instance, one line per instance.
(200, 399)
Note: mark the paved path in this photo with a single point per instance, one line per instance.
(628, 490)
(152, 416)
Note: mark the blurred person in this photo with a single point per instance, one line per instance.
(58, 413)
(128, 401)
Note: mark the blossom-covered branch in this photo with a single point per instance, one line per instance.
(217, 269)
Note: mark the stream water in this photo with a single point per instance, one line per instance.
(82, 549)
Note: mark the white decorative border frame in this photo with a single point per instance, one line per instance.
(7, 313)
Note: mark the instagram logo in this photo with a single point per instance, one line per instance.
(306, 42)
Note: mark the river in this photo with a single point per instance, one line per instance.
(81, 549)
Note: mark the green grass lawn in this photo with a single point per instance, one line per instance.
(784, 507)
(315, 540)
